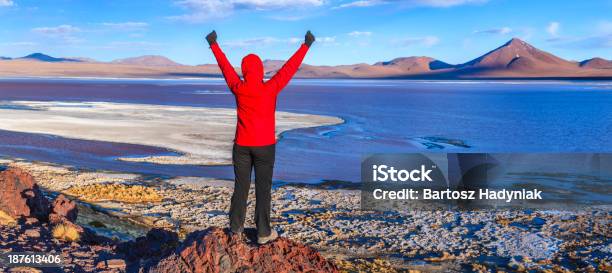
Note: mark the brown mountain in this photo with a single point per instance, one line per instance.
(598, 63)
(147, 60)
(519, 59)
(517, 54)
(273, 65)
(415, 64)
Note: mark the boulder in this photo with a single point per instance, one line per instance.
(214, 250)
(20, 196)
(62, 209)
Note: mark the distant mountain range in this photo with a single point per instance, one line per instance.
(514, 59)
(147, 60)
(46, 58)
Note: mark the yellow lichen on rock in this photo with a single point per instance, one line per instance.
(115, 192)
(445, 257)
(66, 233)
(363, 265)
(6, 220)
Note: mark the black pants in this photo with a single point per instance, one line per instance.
(245, 158)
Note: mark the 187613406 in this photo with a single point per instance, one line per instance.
(31, 259)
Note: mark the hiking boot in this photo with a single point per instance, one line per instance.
(264, 240)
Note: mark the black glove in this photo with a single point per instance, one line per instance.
(309, 38)
(211, 38)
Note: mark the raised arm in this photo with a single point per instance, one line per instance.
(284, 75)
(230, 75)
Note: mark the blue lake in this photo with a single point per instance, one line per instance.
(381, 116)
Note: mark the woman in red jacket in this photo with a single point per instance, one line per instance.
(255, 140)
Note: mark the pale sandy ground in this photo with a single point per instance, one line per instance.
(203, 135)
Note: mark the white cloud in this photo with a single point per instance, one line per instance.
(295, 40)
(447, 3)
(427, 41)
(605, 27)
(602, 41)
(202, 10)
(411, 3)
(66, 33)
(127, 26)
(259, 41)
(600, 38)
(267, 41)
(326, 40)
(585, 42)
(362, 3)
(19, 44)
(6, 3)
(553, 28)
(502, 31)
(62, 30)
(360, 33)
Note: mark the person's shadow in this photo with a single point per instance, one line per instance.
(472, 172)
(250, 235)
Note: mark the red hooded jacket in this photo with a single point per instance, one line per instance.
(256, 99)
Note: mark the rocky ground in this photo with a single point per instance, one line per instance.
(30, 223)
(32, 235)
(330, 221)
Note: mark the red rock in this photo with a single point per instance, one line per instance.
(20, 196)
(63, 208)
(213, 250)
(32, 233)
(31, 221)
(24, 269)
(111, 264)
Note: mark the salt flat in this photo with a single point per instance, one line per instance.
(203, 136)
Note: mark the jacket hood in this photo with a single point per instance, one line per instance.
(252, 68)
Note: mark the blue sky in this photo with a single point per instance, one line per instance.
(348, 31)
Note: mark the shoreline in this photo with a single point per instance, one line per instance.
(199, 135)
(510, 80)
